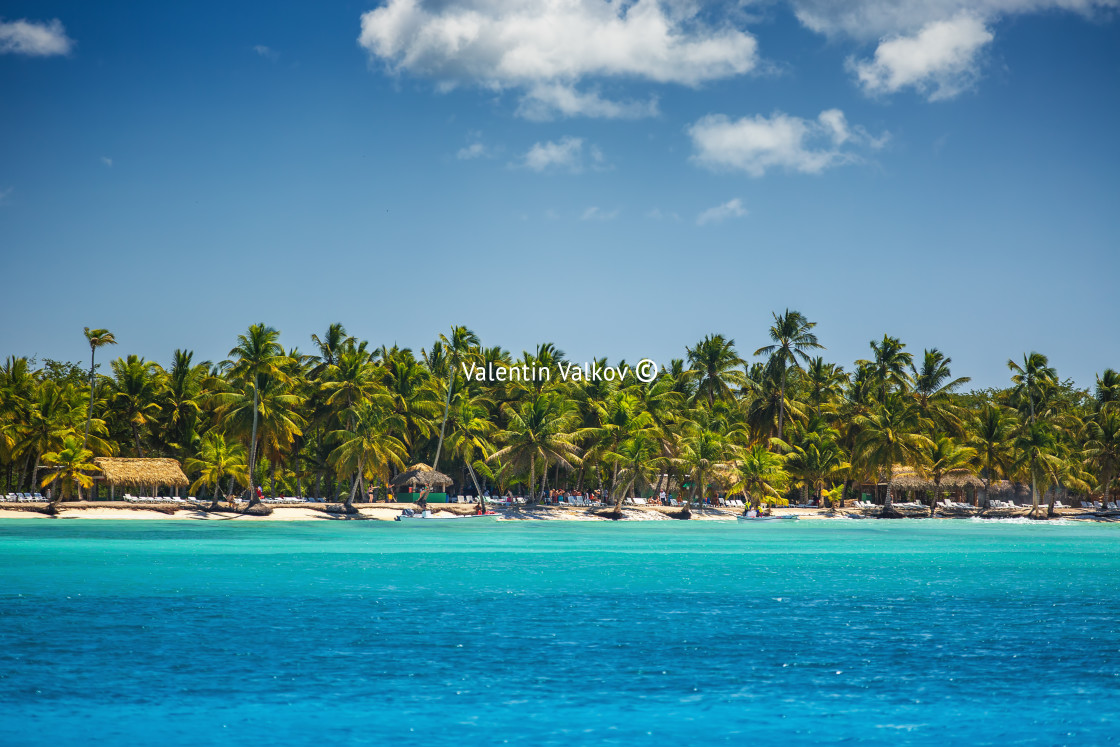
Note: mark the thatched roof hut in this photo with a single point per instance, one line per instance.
(141, 473)
(421, 475)
(1002, 490)
(908, 478)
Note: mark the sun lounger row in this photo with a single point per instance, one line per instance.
(23, 497)
(1098, 506)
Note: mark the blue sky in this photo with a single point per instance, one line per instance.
(619, 179)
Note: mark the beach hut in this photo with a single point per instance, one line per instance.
(420, 476)
(957, 481)
(142, 474)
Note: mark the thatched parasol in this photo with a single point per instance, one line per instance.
(421, 475)
(142, 472)
(908, 478)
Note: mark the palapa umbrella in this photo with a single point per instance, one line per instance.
(423, 476)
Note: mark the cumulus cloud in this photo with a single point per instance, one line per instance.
(731, 209)
(565, 154)
(871, 19)
(757, 144)
(545, 48)
(940, 61)
(34, 38)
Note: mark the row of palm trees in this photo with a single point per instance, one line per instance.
(347, 416)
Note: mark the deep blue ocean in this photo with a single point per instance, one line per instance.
(860, 632)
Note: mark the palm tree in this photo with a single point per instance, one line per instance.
(702, 451)
(460, 348)
(825, 382)
(72, 466)
(792, 339)
(933, 389)
(990, 437)
(257, 354)
(941, 457)
(137, 387)
(714, 364)
(367, 447)
(816, 458)
(1102, 450)
(1108, 390)
(1033, 381)
(97, 338)
(637, 459)
(761, 473)
(888, 436)
(889, 367)
(539, 431)
(218, 459)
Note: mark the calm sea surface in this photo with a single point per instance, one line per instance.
(867, 632)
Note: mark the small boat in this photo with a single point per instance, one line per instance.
(427, 517)
(767, 518)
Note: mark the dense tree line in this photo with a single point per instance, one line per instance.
(779, 421)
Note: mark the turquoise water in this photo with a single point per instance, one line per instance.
(532, 633)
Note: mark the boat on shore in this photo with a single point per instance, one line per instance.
(408, 516)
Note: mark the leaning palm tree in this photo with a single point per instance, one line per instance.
(368, 446)
(217, 459)
(638, 460)
(760, 473)
(97, 338)
(460, 348)
(792, 338)
(72, 467)
(257, 354)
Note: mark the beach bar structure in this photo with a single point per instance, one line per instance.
(957, 481)
(142, 474)
(416, 478)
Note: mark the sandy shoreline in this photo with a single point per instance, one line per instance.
(387, 512)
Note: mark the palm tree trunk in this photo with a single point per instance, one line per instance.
(446, 409)
(136, 439)
(477, 489)
(89, 410)
(782, 402)
(532, 478)
(253, 443)
(348, 506)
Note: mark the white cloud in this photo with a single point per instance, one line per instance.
(549, 100)
(596, 213)
(731, 209)
(756, 144)
(267, 52)
(565, 154)
(107, 161)
(4, 193)
(940, 61)
(546, 47)
(34, 39)
(474, 150)
(871, 19)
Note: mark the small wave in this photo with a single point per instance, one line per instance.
(1018, 520)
